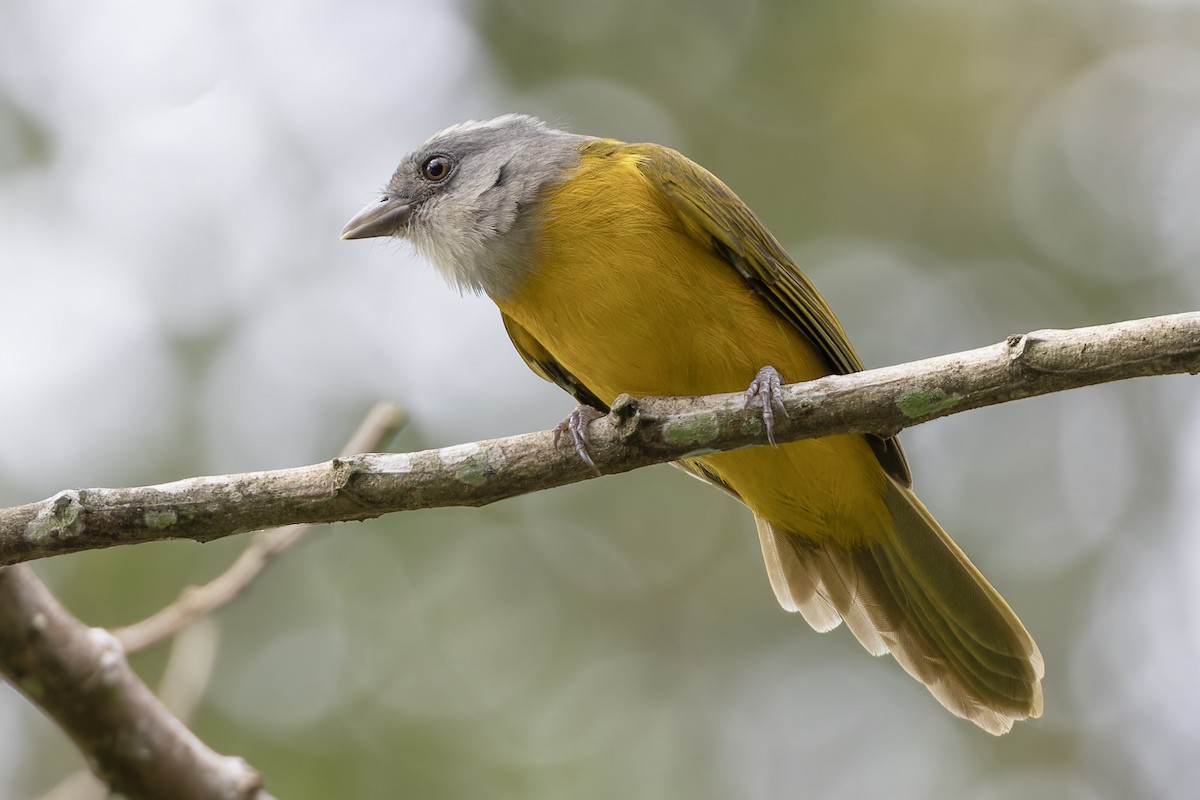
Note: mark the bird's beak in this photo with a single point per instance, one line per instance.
(381, 218)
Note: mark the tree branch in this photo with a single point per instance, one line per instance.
(190, 663)
(79, 676)
(379, 426)
(636, 434)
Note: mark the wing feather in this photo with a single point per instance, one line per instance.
(713, 213)
(538, 359)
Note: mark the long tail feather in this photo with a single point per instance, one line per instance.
(915, 595)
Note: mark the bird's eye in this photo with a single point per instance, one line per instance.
(435, 169)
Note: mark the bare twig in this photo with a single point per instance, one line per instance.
(79, 785)
(636, 434)
(193, 656)
(380, 424)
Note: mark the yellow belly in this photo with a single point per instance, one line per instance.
(627, 301)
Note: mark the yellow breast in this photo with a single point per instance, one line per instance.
(628, 300)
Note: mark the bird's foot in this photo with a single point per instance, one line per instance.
(767, 389)
(576, 424)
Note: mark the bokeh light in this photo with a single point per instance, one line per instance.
(174, 301)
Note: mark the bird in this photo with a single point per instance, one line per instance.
(625, 268)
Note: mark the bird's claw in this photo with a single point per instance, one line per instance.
(767, 388)
(576, 424)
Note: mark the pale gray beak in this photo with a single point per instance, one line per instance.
(384, 217)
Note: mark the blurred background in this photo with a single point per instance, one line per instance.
(174, 301)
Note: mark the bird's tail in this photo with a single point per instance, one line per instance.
(916, 596)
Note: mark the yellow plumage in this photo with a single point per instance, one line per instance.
(624, 268)
(630, 296)
(674, 319)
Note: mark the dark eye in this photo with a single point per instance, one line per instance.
(435, 169)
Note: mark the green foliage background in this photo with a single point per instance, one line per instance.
(174, 301)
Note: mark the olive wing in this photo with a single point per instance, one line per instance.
(713, 213)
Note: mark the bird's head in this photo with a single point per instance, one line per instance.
(466, 197)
